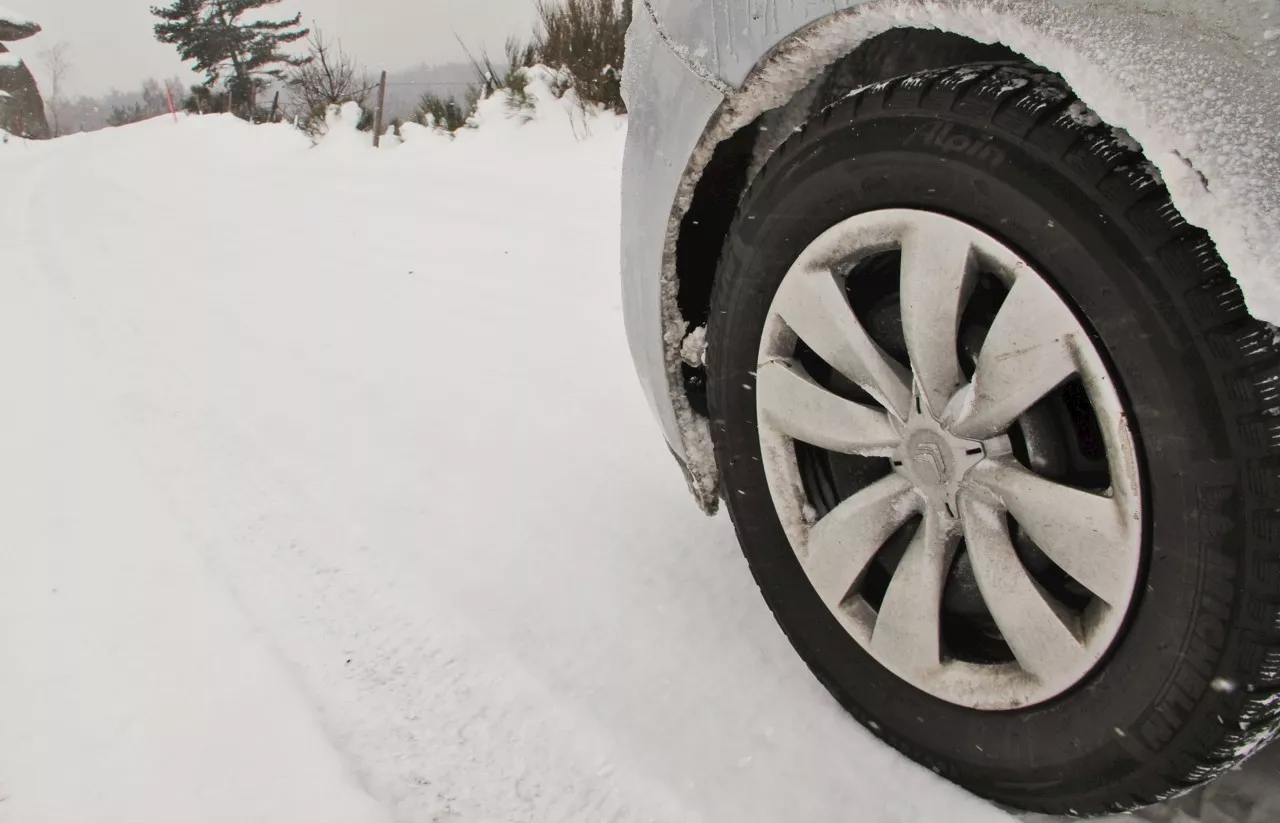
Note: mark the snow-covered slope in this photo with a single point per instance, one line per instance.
(329, 494)
(13, 18)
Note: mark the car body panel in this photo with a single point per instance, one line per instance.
(656, 81)
(1194, 83)
(733, 35)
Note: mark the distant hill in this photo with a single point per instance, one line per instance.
(405, 88)
(92, 113)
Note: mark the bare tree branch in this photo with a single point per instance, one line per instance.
(330, 77)
(57, 66)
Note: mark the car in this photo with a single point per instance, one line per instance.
(960, 309)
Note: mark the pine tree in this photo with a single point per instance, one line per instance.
(244, 55)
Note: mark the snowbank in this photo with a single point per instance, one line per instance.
(331, 485)
(14, 26)
(549, 117)
(553, 125)
(12, 18)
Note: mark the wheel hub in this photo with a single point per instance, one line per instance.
(953, 493)
(935, 460)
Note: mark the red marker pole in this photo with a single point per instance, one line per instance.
(168, 90)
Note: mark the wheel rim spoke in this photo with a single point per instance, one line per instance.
(949, 442)
(1033, 625)
(801, 409)
(937, 277)
(841, 544)
(908, 628)
(813, 304)
(1028, 353)
(1085, 534)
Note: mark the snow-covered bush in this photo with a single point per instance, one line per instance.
(442, 113)
(332, 77)
(585, 40)
(588, 38)
(346, 124)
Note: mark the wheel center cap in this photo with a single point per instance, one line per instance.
(935, 461)
(929, 458)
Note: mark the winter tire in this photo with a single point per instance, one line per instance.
(999, 440)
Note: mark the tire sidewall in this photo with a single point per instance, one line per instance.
(1084, 248)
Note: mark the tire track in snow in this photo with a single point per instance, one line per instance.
(418, 688)
(610, 657)
(121, 718)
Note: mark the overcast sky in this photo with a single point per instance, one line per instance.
(112, 44)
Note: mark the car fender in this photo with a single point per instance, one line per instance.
(1197, 88)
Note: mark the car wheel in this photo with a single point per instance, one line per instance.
(996, 434)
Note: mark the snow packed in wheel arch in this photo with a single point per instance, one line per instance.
(992, 418)
(21, 106)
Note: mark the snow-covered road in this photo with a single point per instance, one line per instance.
(329, 494)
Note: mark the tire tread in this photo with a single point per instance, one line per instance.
(1037, 109)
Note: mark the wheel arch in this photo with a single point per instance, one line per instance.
(1140, 90)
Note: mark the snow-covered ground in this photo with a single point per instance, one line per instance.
(329, 495)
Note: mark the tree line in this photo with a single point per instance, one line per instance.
(243, 57)
(264, 69)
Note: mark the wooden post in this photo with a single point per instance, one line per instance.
(275, 107)
(377, 117)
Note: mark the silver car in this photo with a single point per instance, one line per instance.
(959, 309)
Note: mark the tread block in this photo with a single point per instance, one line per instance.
(1033, 106)
(985, 97)
(1256, 388)
(1096, 155)
(1246, 343)
(1157, 219)
(1261, 433)
(1058, 134)
(942, 95)
(1193, 259)
(1216, 301)
(1263, 478)
(1127, 184)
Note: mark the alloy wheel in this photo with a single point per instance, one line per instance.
(950, 458)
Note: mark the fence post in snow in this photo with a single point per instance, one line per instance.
(275, 107)
(377, 117)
